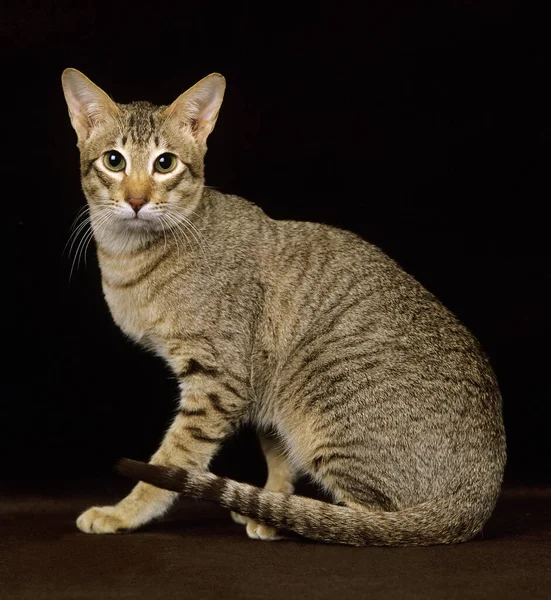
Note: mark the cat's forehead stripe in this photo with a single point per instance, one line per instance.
(142, 121)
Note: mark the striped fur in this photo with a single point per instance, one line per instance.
(353, 374)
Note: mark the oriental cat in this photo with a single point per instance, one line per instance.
(353, 375)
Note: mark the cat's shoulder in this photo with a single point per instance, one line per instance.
(230, 207)
(235, 211)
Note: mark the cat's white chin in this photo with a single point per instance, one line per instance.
(126, 235)
(138, 223)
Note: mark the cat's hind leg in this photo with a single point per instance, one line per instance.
(280, 479)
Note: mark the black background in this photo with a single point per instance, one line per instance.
(421, 126)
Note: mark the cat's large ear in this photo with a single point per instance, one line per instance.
(199, 106)
(88, 104)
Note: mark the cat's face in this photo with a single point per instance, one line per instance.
(141, 165)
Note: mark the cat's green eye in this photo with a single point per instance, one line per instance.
(114, 160)
(165, 163)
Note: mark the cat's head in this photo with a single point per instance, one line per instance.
(141, 165)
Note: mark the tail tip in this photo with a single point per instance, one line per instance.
(129, 468)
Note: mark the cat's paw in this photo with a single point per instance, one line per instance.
(259, 531)
(256, 531)
(240, 519)
(102, 519)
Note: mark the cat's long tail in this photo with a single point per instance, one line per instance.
(439, 522)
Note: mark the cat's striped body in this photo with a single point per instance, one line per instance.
(353, 374)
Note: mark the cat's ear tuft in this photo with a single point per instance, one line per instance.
(198, 107)
(88, 104)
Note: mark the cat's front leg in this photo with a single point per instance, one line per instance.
(209, 410)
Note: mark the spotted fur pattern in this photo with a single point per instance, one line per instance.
(353, 374)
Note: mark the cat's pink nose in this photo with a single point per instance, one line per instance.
(136, 203)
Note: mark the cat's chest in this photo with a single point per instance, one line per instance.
(138, 318)
(127, 284)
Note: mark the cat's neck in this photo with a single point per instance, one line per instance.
(121, 266)
(119, 241)
(126, 255)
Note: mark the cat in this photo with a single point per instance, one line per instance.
(352, 373)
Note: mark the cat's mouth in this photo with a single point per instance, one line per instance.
(143, 220)
(137, 221)
(140, 217)
(140, 222)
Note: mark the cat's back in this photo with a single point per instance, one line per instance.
(287, 252)
(319, 278)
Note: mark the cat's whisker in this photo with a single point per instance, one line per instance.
(105, 218)
(183, 227)
(175, 226)
(81, 211)
(192, 229)
(184, 218)
(84, 228)
(179, 222)
(101, 230)
(84, 248)
(88, 233)
(164, 232)
(175, 229)
(195, 215)
(83, 243)
(76, 253)
(74, 235)
(166, 225)
(76, 227)
(200, 240)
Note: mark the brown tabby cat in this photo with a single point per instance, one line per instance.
(353, 374)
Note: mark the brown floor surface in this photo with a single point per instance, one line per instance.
(198, 552)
